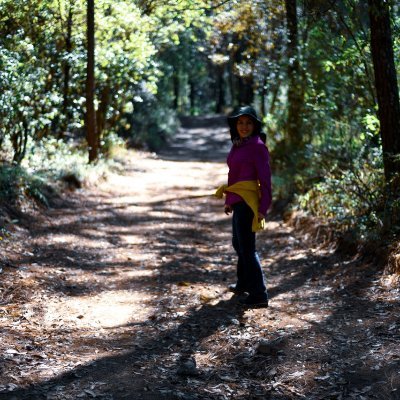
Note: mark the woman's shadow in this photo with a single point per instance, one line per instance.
(184, 339)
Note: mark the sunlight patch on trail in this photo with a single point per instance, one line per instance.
(105, 310)
(163, 179)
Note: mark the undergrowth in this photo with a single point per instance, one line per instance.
(16, 184)
(350, 195)
(340, 180)
(41, 174)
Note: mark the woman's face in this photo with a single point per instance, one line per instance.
(245, 126)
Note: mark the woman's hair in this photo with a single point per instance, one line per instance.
(250, 112)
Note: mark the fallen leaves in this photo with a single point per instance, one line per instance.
(330, 332)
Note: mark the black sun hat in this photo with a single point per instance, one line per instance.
(245, 110)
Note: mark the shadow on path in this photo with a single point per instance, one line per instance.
(199, 139)
(337, 326)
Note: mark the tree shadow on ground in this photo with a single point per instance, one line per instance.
(317, 303)
(199, 323)
(158, 346)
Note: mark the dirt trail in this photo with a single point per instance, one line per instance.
(119, 292)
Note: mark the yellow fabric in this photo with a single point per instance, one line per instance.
(249, 191)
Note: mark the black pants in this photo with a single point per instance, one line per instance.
(249, 273)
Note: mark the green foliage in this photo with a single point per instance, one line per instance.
(246, 39)
(112, 144)
(43, 64)
(156, 60)
(24, 111)
(45, 166)
(344, 184)
(124, 59)
(52, 159)
(16, 184)
(148, 123)
(340, 173)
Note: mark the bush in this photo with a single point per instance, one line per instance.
(48, 165)
(16, 184)
(148, 123)
(350, 192)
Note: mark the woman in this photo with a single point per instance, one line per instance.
(248, 196)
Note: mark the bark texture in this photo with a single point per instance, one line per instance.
(91, 131)
(386, 88)
(295, 90)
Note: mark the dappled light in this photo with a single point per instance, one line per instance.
(105, 310)
(123, 292)
(125, 273)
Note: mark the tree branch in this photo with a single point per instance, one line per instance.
(362, 54)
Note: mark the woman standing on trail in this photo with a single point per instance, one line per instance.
(248, 196)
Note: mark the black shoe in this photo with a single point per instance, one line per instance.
(253, 301)
(237, 290)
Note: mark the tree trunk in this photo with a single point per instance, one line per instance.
(388, 105)
(246, 90)
(386, 88)
(102, 111)
(192, 96)
(91, 131)
(220, 89)
(19, 139)
(275, 91)
(295, 90)
(67, 72)
(231, 77)
(263, 96)
(176, 89)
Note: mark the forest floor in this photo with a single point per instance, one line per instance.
(119, 291)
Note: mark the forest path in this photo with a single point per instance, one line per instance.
(120, 292)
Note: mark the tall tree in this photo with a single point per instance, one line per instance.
(295, 89)
(67, 67)
(91, 131)
(220, 89)
(386, 88)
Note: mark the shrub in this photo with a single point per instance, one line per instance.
(350, 192)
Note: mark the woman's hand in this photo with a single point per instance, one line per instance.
(227, 209)
(260, 216)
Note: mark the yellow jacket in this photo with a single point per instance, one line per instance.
(249, 191)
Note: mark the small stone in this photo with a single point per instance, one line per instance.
(188, 368)
(270, 347)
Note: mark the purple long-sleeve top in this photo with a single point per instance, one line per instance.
(249, 161)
